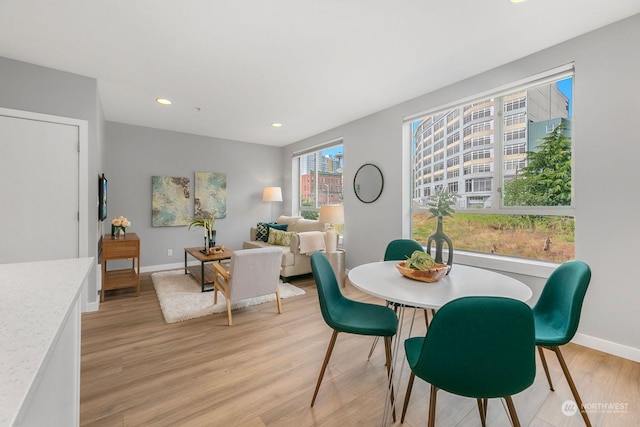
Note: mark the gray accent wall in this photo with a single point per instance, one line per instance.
(606, 105)
(135, 154)
(29, 87)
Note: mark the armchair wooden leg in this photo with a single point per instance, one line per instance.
(407, 396)
(327, 356)
(278, 301)
(572, 386)
(546, 368)
(432, 406)
(512, 412)
(229, 312)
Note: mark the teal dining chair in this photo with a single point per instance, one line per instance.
(400, 250)
(345, 315)
(557, 314)
(480, 347)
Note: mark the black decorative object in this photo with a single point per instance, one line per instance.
(439, 238)
(441, 205)
(102, 198)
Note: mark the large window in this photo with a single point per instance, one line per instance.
(515, 187)
(320, 179)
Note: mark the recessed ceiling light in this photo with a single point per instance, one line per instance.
(163, 101)
(517, 1)
(276, 125)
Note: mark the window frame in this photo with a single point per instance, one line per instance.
(514, 264)
(497, 129)
(319, 181)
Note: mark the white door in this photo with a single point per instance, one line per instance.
(38, 190)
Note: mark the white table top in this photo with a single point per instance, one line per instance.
(383, 280)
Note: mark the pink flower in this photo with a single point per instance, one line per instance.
(120, 221)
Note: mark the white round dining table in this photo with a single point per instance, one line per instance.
(382, 279)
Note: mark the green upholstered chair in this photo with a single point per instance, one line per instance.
(400, 250)
(345, 315)
(557, 314)
(480, 347)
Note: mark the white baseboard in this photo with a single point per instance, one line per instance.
(152, 268)
(609, 347)
(93, 306)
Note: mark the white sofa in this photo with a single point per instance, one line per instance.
(294, 263)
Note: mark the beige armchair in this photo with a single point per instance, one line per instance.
(252, 273)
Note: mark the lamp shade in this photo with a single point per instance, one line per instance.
(272, 194)
(332, 214)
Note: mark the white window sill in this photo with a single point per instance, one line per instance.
(527, 267)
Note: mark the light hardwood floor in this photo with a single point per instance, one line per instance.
(138, 370)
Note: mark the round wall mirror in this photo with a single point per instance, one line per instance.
(368, 183)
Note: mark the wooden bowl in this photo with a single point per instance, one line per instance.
(432, 275)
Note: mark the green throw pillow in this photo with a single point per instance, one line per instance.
(280, 237)
(262, 229)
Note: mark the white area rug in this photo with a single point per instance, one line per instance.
(181, 297)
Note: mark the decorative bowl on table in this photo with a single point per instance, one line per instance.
(431, 275)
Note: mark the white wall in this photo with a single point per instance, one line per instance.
(607, 150)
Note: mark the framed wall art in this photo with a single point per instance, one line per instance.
(211, 195)
(170, 201)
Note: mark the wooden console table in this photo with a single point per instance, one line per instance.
(115, 249)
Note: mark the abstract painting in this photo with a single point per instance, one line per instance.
(211, 195)
(170, 203)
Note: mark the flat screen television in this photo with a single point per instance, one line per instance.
(102, 196)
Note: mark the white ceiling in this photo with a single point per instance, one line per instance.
(309, 64)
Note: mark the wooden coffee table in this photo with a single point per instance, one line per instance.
(205, 275)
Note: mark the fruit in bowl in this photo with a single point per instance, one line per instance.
(420, 266)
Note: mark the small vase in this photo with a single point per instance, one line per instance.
(439, 238)
(119, 233)
(212, 238)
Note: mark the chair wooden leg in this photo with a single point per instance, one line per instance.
(512, 412)
(373, 347)
(432, 406)
(407, 396)
(572, 386)
(229, 312)
(482, 408)
(388, 356)
(546, 368)
(375, 340)
(327, 356)
(278, 301)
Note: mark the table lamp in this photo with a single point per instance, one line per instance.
(331, 214)
(272, 194)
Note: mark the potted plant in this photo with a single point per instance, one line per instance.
(209, 232)
(440, 205)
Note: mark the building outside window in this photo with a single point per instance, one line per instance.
(320, 178)
(513, 143)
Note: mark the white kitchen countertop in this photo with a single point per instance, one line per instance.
(35, 298)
